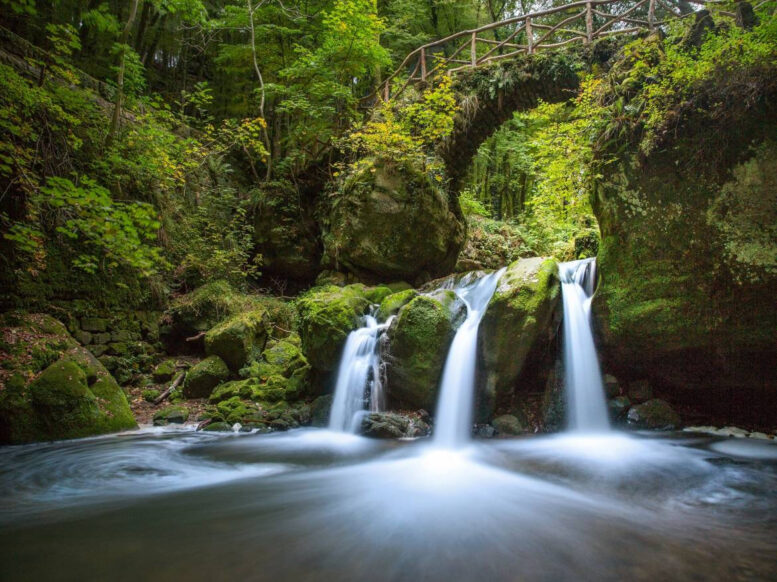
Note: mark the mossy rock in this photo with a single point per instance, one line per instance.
(239, 339)
(516, 323)
(205, 307)
(282, 358)
(171, 415)
(377, 294)
(391, 304)
(54, 388)
(419, 339)
(320, 410)
(165, 371)
(150, 395)
(204, 376)
(327, 315)
(393, 221)
(508, 425)
(654, 414)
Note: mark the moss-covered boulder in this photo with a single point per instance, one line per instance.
(517, 323)
(204, 376)
(688, 259)
(53, 387)
(419, 339)
(393, 222)
(282, 366)
(326, 316)
(171, 415)
(239, 339)
(164, 371)
(391, 304)
(654, 414)
(205, 307)
(508, 425)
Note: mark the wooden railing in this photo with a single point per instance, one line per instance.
(588, 20)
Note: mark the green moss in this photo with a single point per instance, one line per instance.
(327, 315)
(203, 377)
(239, 339)
(419, 339)
(238, 388)
(150, 395)
(171, 415)
(282, 368)
(165, 371)
(377, 294)
(74, 396)
(516, 321)
(391, 304)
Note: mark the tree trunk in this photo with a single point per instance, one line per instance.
(120, 79)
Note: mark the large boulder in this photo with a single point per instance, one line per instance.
(203, 377)
(393, 221)
(516, 324)
(239, 339)
(419, 339)
(688, 259)
(327, 315)
(53, 387)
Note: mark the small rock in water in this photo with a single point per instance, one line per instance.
(507, 425)
(386, 425)
(485, 431)
(654, 414)
(640, 391)
(760, 436)
(619, 406)
(732, 431)
(702, 429)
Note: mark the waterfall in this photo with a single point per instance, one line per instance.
(587, 408)
(453, 421)
(358, 374)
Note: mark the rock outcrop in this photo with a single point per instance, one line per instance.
(53, 387)
(393, 222)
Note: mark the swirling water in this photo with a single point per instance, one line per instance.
(317, 505)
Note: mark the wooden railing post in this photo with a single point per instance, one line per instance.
(589, 23)
(423, 65)
(652, 15)
(529, 36)
(473, 49)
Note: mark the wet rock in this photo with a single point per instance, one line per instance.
(618, 408)
(517, 321)
(640, 391)
(508, 425)
(171, 415)
(320, 410)
(203, 377)
(385, 425)
(327, 315)
(553, 401)
(418, 341)
(654, 414)
(394, 302)
(732, 431)
(484, 431)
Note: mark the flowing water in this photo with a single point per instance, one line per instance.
(358, 374)
(453, 421)
(587, 408)
(320, 506)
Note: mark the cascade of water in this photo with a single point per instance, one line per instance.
(585, 389)
(453, 421)
(358, 373)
